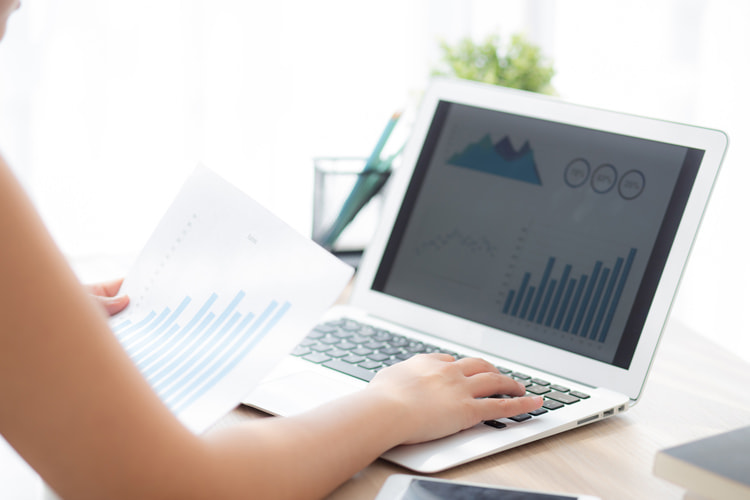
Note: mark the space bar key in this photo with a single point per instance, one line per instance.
(350, 369)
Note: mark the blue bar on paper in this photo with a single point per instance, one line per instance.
(146, 336)
(526, 302)
(120, 333)
(122, 325)
(618, 293)
(574, 305)
(547, 298)
(595, 302)
(587, 297)
(607, 297)
(131, 334)
(566, 301)
(198, 364)
(542, 287)
(508, 301)
(224, 365)
(188, 357)
(146, 340)
(184, 336)
(521, 291)
(241, 335)
(556, 302)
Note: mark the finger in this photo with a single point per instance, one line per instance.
(105, 288)
(473, 366)
(490, 408)
(489, 384)
(435, 355)
(113, 305)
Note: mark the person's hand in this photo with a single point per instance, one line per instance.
(105, 293)
(442, 396)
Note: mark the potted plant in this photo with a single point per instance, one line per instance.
(519, 65)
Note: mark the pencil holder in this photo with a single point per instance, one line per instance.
(338, 183)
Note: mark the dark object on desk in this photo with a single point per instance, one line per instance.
(716, 467)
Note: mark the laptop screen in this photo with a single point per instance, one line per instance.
(553, 232)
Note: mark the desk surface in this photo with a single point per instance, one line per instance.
(695, 389)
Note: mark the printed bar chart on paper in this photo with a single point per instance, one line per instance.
(220, 293)
(182, 357)
(574, 301)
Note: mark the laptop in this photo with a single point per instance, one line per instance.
(546, 237)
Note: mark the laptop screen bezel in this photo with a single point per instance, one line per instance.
(508, 345)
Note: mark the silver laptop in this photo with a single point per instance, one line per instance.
(545, 237)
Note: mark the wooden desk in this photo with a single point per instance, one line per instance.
(695, 389)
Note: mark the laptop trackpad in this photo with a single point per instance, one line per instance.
(298, 392)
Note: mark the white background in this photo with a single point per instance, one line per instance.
(106, 106)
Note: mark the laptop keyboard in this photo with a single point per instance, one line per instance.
(361, 350)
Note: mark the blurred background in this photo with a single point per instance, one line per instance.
(106, 106)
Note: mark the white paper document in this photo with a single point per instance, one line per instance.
(220, 293)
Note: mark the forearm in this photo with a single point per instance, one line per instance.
(309, 455)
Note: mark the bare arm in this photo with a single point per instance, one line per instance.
(76, 408)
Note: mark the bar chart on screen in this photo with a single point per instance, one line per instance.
(581, 303)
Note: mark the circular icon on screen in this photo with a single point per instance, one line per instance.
(577, 173)
(632, 184)
(604, 178)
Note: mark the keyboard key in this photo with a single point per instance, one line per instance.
(346, 345)
(415, 347)
(539, 381)
(391, 350)
(300, 351)
(370, 365)
(337, 353)
(504, 370)
(580, 395)
(352, 358)
(350, 369)
(552, 405)
(325, 328)
(361, 351)
(398, 341)
(521, 418)
(316, 357)
(366, 331)
(538, 411)
(537, 389)
(495, 424)
(559, 388)
(562, 397)
(342, 334)
(320, 347)
(378, 356)
(520, 376)
(382, 335)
